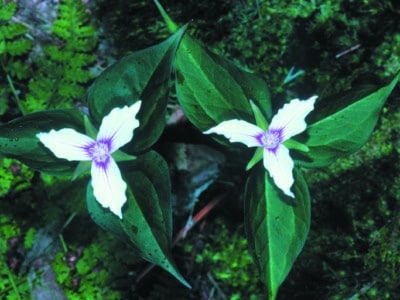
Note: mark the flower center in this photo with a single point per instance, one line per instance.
(271, 139)
(100, 152)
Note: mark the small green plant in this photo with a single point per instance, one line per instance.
(228, 259)
(13, 286)
(91, 272)
(63, 71)
(14, 47)
(14, 176)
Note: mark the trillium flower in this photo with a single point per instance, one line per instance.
(115, 131)
(288, 122)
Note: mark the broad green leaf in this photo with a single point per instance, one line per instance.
(142, 75)
(276, 226)
(342, 124)
(18, 139)
(147, 216)
(212, 89)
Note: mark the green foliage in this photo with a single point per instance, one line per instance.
(88, 280)
(14, 176)
(12, 285)
(18, 139)
(276, 226)
(342, 124)
(8, 229)
(14, 47)
(147, 217)
(387, 55)
(143, 75)
(382, 144)
(261, 35)
(356, 231)
(63, 73)
(269, 37)
(229, 261)
(13, 42)
(98, 272)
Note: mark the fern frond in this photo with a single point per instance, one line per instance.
(18, 47)
(69, 90)
(82, 60)
(7, 10)
(32, 103)
(64, 73)
(40, 88)
(84, 45)
(86, 31)
(57, 55)
(12, 30)
(18, 69)
(62, 28)
(77, 75)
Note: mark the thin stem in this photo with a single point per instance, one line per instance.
(14, 91)
(11, 278)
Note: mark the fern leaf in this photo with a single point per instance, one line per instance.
(70, 90)
(57, 55)
(82, 60)
(17, 69)
(12, 30)
(18, 47)
(86, 31)
(7, 10)
(62, 28)
(78, 75)
(63, 74)
(84, 45)
(2, 44)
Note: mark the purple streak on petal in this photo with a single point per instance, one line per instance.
(260, 138)
(103, 164)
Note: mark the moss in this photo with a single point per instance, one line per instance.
(353, 249)
(14, 176)
(228, 260)
(95, 271)
(12, 284)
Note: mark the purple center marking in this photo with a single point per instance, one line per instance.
(270, 139)
(99, 152)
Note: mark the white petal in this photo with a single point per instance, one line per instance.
(66, 143)
(118, 125)
(108, 186)
(290, 118)
(280, 167)
(239, 131)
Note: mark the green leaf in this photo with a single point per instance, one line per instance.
(258, 116)
(18, 139)
(7, 10)
(257, 156)
(212, 89)
(147, 216)
(342, 124)
(143, 75)
(276, 226)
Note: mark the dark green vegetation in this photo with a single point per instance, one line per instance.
(353, 248)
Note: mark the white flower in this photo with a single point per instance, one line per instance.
(115, 131)
(288, 122)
